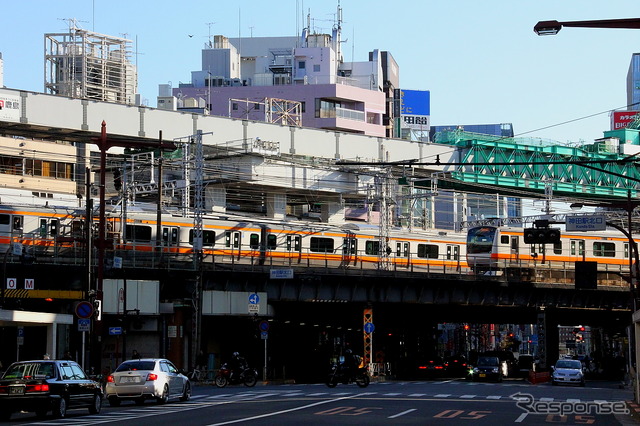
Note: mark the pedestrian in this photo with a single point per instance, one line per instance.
(135, 355)
(46, 356)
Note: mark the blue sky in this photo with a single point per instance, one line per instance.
(481, 60)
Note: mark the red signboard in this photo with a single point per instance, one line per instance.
(621, 119)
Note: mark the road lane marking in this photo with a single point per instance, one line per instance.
(402, 414)
(494, 397)
(417, 394)
(442, 395)
(467, 396)
(276, 413)
(521, 418)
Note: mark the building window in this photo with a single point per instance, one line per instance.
(234, 106)
(302, 65)
(316, 68)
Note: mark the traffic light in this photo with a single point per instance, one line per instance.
(541, 235)
(97, 313)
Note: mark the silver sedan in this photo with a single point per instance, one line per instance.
(147, 378)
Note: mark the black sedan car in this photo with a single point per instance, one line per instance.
(47, 385)
(488, 368)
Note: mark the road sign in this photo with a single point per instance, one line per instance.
(264, 335)
(264, 325)
(254, 309)
(254, 299)
(29, 284)
(84, 310)
(595, 222)
(84, 324)
(20, 336)
(115, 331)
(369, 327)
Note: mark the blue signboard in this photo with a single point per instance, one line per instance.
(369, 327)
(415, 102)
(115, 331)
(84, 324)
(254, 299)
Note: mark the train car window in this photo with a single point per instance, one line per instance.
(604, 249)
(77, 228)
(428, 251)
(504, 239)
(17, 222)
(138, 233)
(515, 244)
(272, 241)
(350, 246)
(453, 252)
(5, 219)
(577, 247)
(321, 245)
(236, 239)
(626, 250)
(557, 248)
(402, 249)
(170, 235)
(43, 228)
(208, 238)
(480, 239)
(372, 247)
(254, 241)
(53, 227)
(293, 242)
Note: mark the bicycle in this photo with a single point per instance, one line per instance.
(195, 375)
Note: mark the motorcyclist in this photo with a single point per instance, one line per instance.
(237, 364)
(350, 363)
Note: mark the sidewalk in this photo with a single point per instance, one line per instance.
(634, 412)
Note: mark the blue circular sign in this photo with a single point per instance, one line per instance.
(254, 299)
(84, 310)
(369, 327)
(264, 325)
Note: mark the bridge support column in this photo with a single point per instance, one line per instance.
(276, 205)
(215, 200)
(548, 339)
(332, 211)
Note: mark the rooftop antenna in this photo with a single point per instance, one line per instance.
(72, 23)
(209, 24)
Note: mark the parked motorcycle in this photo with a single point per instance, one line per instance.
(247, 376)
(338, 373)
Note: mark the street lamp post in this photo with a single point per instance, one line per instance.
(553, 27)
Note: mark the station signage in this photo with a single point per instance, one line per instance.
(596, 222)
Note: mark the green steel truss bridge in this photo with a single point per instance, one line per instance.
(606, 169)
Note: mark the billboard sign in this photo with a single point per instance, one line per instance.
(621, 119)
(414, 108)
(9, 108)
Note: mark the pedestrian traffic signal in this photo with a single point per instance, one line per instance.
(541, 235)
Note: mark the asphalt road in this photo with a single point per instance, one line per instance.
(446, 402)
